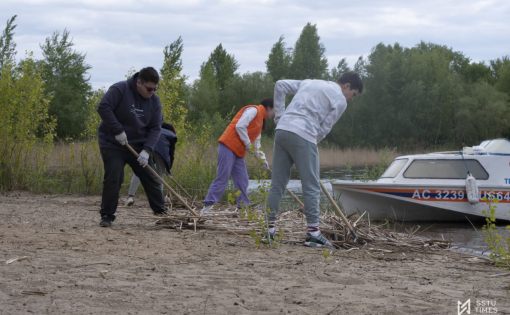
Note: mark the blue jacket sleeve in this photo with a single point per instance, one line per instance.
(154, 127)
(172, 139)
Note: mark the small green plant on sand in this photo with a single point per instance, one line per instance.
(260, 233)
(232, 197)
(256, 216)
(259, 216)
(326, 254)
(498, 243)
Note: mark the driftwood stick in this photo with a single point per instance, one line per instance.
(361, 216)
(296, 198)
(155, 174)
(337, 209)
(181, 187)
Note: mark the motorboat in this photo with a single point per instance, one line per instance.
(442, 186)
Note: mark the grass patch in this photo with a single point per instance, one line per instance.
(77, 167)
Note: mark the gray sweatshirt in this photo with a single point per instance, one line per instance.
(315, 108)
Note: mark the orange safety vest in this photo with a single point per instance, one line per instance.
(231, 139)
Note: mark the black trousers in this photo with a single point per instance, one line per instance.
(114, 161)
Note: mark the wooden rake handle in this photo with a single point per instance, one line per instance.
(155, 174)
(180, 187)
(296, 198)
(338, 211)
(293, 195)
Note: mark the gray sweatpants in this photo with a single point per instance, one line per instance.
(290, 149)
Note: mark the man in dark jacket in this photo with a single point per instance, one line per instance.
(163, 159)
(130, 113)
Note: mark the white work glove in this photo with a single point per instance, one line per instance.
(266, 164)
(122, 138)
(248, 147)
(143, 158)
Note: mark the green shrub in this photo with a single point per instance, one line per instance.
(497, 241)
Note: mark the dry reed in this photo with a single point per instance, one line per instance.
(291, 225)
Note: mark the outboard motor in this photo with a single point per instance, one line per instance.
(473, 195)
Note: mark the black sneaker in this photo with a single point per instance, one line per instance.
(163, 213)
(105, 223)
(317, 241)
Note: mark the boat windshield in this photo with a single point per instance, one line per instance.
(445, 169)
(394, 168)
(496, 146)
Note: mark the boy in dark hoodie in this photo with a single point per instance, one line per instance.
(163, 159)
(130, 113)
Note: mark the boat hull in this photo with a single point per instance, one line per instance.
(419, 203)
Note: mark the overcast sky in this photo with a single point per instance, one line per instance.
(119, 35)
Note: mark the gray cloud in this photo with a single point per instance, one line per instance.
(119, 35)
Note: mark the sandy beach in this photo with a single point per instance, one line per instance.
(55, 259)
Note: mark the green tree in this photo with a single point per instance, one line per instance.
(24, 122)
(360, 67)
(427, 95)
(172, 87)
(308, 58)
(497, 66)
(92, 118)
(249, 88)
(279, 60)
(7, 44)
(476, 71)
(65, 74)
(410, 96)
(500, 74)
(224, 66)
(205, 98)
(209, 91)
(341, 68)
(482, 114)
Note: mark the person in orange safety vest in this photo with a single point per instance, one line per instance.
(244, 130)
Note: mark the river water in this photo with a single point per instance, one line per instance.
(465, 236)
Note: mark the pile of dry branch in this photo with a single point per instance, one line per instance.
(291, 226)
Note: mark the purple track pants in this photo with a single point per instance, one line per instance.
(229, 165)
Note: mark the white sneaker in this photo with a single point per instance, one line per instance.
(206, 210)
(130, 201)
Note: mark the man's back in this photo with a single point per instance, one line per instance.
(315, 107)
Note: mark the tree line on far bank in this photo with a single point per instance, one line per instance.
(421, 96)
